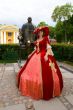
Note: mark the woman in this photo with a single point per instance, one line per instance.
(40, 77)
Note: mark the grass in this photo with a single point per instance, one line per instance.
(8, 61)
(68, 62)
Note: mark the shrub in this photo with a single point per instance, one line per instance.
(62, 52)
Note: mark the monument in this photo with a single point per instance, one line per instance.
(27, 32)
(26, 39)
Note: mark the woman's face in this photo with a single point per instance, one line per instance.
(40, 33)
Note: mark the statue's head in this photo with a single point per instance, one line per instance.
(29, 19)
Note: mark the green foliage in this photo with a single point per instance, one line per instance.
(63, 52)
(13, 52)
(56, 14)
(69, 24)
(63, 12)
(62, 15)
(42, 23)
(52, 32)
(10, 53)
(59, 31)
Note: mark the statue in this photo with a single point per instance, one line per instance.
(20, 37)
(27, 32)
(26, 38)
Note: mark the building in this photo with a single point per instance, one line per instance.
(9, 34)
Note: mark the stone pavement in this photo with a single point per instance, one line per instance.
(11, 99)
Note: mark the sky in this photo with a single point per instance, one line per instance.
(16, 12)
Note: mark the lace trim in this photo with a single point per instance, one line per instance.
(48, 46)
(49, 50)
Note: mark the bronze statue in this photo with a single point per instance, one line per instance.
(26, 39)
(27, 32)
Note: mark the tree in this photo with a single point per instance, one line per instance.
(42, 23)
(70, 29)
(52, 32)
(63, 13)
(59, 31)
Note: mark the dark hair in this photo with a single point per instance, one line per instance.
(43, 32)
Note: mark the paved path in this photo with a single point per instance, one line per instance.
(11, 99)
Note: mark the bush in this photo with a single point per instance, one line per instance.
(9, 52)
(62, 52)
(13, 52)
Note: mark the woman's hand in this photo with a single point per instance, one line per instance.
(46, 57)
(29, 55)
(49, 52)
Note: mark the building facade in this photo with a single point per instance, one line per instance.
(9, 34)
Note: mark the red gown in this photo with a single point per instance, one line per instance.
(38, 78)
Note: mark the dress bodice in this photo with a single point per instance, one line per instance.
(41, 45)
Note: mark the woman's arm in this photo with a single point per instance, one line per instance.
(48, 49)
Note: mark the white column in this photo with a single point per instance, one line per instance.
(1, 37)
(14, 37)
(17, 33)
(4, 37)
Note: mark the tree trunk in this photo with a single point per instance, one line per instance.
(65, 36)
(65, 31)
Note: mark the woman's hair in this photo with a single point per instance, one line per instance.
(43, 34)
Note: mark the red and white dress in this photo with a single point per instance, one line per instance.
(38, 78)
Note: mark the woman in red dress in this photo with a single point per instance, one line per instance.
(40, 76)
